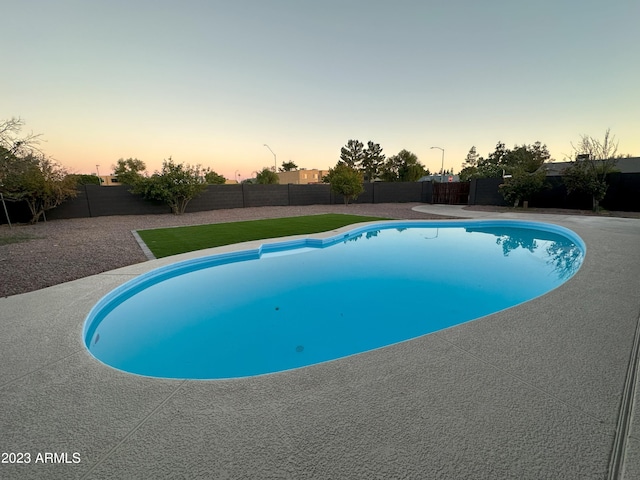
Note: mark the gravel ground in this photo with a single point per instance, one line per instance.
(62, 250)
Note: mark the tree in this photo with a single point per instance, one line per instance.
(345, 181)
(522, 185)
(372, 161)
(12, 143)
(27, 174)
(389, 172)
(213, 178)
(129, 171)
(83, 179)
(267, 177)
(594, 161)
(403, 167)
(493, 165)
(472, 157)
(288, 166)
(36, 179)
(470, 165)
(352, 154)
(175, 184)
(411, 169)
(502, 160)
(527, 157)
(525, 172)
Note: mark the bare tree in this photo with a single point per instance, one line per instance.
(597, 150)
(12, 143)
(594, 160)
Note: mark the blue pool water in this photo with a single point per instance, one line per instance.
(297, 303)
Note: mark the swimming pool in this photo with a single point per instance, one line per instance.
(295, 303)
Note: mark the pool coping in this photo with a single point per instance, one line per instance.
(533, 391)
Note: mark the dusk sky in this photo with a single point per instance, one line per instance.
(210, 82)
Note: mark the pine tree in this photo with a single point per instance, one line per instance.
(352, 154)
(372, 161)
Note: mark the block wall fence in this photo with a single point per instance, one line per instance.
(623, 194)
(95, 201)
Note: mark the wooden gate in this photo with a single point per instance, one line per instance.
(454, 193)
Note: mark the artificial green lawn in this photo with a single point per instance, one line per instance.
(164, 242)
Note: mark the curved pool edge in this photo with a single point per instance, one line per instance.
(255, 249)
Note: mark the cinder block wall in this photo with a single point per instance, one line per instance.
(95, 201)
(318, 194)
(484, 191)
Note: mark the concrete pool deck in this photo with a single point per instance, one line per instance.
(541, 390)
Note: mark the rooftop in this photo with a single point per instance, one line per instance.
(623, 165)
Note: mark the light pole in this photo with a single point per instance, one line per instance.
(98, 174)
(275, 162)
(441, 168)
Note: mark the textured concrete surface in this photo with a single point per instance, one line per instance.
(532, 392)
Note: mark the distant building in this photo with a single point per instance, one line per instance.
(446, 178)
(302, 176)
(109, 180)
(623, 165)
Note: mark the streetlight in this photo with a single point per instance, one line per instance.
(441, 168)
(275, 162)
(98, 174)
